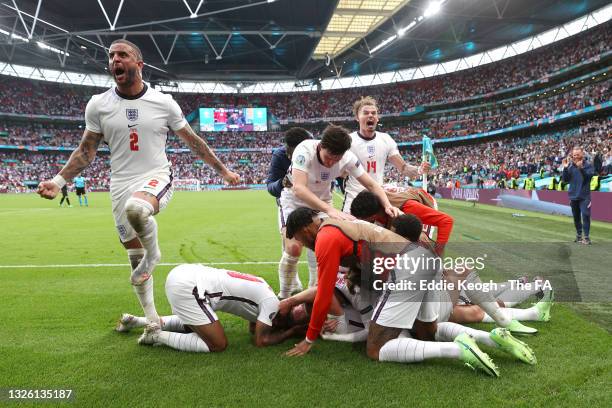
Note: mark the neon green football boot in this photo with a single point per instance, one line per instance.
(475, 358)
(519, 329)
(544, 305)
(511, 345)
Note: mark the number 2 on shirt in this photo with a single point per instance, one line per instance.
(134, 141)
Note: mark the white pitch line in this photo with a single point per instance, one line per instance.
(127, 265)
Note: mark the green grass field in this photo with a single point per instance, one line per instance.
(58, 317)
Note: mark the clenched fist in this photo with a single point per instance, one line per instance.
(48, 189)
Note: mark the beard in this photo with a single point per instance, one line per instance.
(130, 77)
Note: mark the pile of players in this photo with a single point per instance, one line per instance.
(402, 325)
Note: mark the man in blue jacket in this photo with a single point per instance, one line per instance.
(578, 175)
(277, 179)
(281, 159)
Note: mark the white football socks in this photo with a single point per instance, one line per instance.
(287, 275)
(138, 321)
(354, 337)
(485, 300)
(144, 293)
(512, 297)
(140, 216)
(183, 341)
(169, 323)
(135, 256)
(312, 268)
(407, 350)
(530, 314)
(448, 331)
(172, 323)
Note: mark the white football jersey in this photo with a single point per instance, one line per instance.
(355, 300)
(357, 311)
(373, 154)
(240, 294)
(305, 157)
(135, 130)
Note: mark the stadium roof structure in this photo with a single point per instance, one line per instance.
(253, 46)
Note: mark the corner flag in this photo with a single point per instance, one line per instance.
(428, 153)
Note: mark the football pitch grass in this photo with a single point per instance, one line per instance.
(65, 281)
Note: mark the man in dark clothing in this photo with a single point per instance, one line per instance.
(281, 159)
(577, 171)
(65, 197)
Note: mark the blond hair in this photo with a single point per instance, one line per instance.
(363, 101)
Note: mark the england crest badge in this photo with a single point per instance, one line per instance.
(132, 114)
(371, 150)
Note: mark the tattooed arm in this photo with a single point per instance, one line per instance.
(78, 161)
(201, 149)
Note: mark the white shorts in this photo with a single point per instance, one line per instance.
(353, 319)
(187, 303)
(401, 314)
(284, 209)
(445, 306)
(279, 215)
(399, 308)
(157, 184)
(283, 214)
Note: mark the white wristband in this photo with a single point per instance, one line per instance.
(59, 180)
(308, 340)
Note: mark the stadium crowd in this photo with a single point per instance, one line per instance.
(507, 158)
(503, 158)
(32, 97)
(22, 170)
(443, 126)
(35, 134)
(502, 116)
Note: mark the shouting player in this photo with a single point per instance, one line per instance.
(134, 120)
(374, 149)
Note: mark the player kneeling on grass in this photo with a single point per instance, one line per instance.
(195, 292)
(347, 323)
